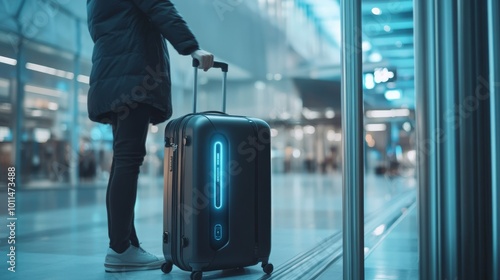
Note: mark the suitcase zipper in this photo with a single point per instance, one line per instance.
(176, 186)
(180, 155)
(175, 179)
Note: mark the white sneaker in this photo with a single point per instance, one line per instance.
(132, 259)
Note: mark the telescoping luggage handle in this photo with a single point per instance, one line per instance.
(224, 67)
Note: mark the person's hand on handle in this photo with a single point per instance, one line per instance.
(205, 58)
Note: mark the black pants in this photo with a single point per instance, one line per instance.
(129, 148)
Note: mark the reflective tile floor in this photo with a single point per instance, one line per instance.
(395, 258)
(61, 233)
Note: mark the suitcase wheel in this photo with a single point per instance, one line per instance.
(196, 275)
(166, 267)
(267, 267)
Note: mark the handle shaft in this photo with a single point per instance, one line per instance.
(224, 67)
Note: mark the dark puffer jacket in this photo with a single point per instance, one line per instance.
(130, 58)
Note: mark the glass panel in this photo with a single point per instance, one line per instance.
(390, 177)
(285, 70)
(284, 58)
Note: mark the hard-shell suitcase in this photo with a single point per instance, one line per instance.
(217, 191)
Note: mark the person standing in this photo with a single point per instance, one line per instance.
(130, 88)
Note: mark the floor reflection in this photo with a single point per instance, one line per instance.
(62, 233)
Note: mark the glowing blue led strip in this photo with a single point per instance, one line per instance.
(218, 174)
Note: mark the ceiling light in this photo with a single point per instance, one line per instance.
(36, 113)
(8, 60)
(376, 11)
(309, 129)
(41, 135)
(388, 113)
(387, 28)
(375, 57)
(83, 79)
(393, 94)
(383, 75)
(369, 81)
(49, 70)
(407, 126)
(366, 46)
(375, 127)
(52, 106)
(42, 90)
(56, 72)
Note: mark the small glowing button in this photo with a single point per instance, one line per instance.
(218, 232)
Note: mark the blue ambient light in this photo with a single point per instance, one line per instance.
(218, 158)
(219, 179)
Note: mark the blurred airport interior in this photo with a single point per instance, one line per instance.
(285, 69)
(430, 138)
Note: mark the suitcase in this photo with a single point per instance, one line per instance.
(217, 190)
